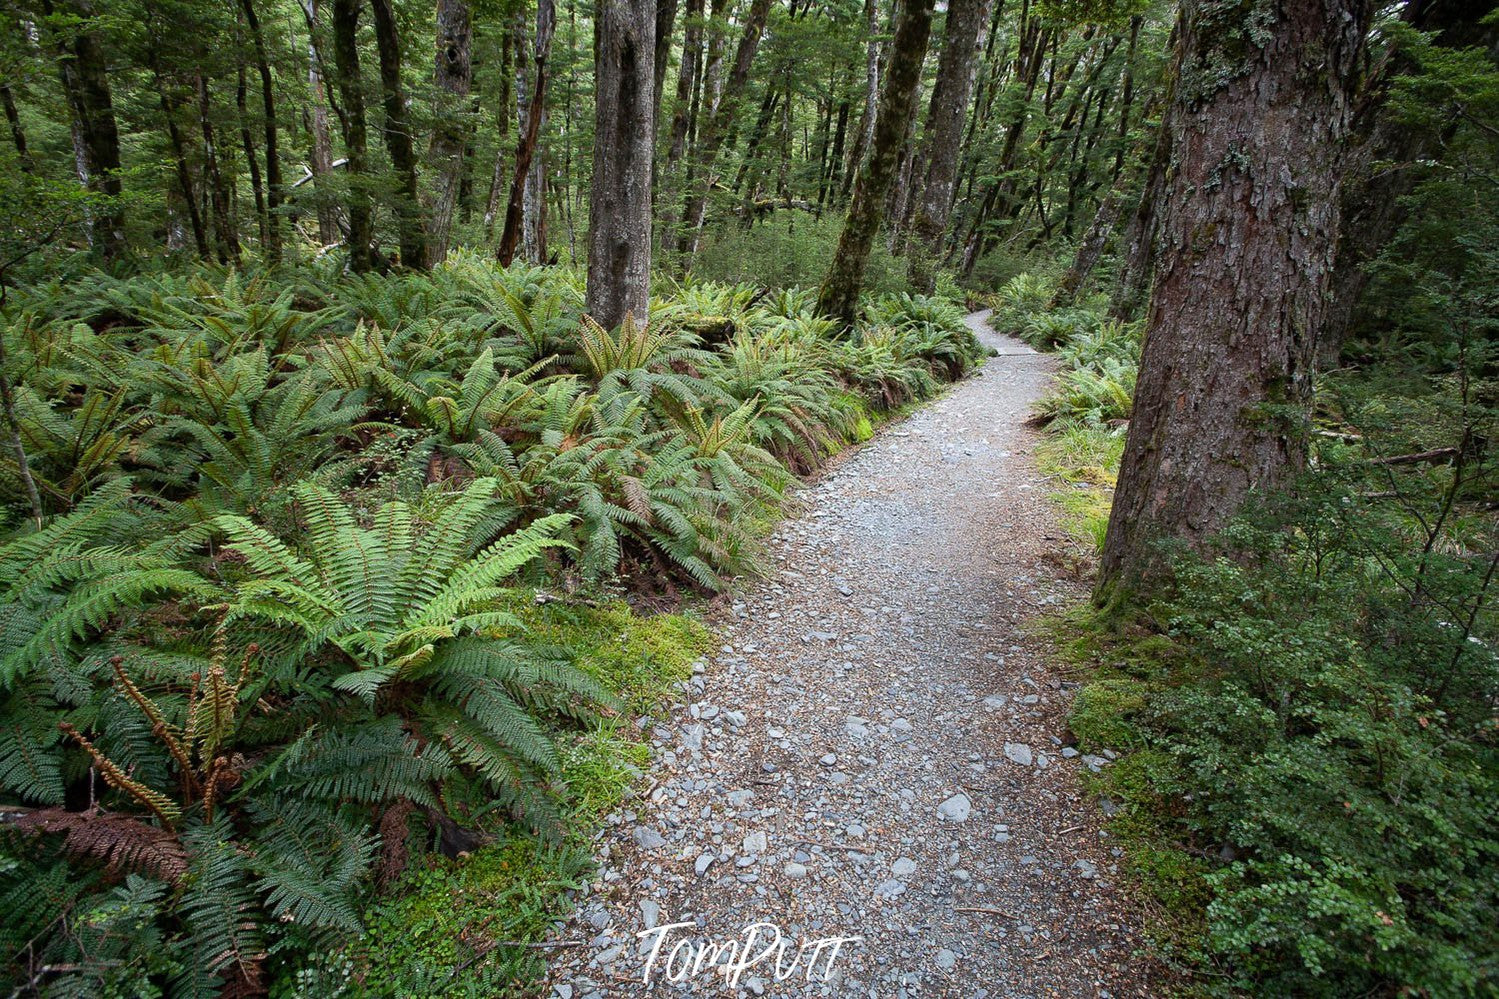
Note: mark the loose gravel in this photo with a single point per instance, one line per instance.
(877, 749)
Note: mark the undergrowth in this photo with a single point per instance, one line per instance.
(270, 643)
(1306, 713)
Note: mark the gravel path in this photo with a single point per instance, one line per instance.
(876, 750)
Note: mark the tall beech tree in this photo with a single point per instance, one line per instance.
(356, 140)
(397, 132)
(452, 77)
(942, 142)
(1243, 265)
(525, 147)
(839, 294)
(83, 69)
(619, 204)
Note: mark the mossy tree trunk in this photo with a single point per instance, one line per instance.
(356, 140)
(839, 295)
(619, 206)
(452, 78)
(1243, 262)
(943, 137)
(398, 136)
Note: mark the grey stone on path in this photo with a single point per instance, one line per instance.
(861, 755)
(956, 809)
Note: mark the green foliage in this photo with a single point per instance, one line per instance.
(272, 628)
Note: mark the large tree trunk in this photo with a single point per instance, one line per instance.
(83, 69)
(1247, 235)
(942, 141)
(356, 138)
(452, 76)
(619, 205)
(525, 147)
(273, 189)
(839, 295)
(714, 133)
(398, 138)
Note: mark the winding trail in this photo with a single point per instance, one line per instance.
(875, 751)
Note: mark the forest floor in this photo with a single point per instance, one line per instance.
(877, 749)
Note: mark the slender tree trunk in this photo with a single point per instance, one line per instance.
(619, 213)
(839, 295)
(497, 175)
(184, 171)
(322, 142)
(666, 21)
(525, 147)
(713, 134)
(835, 158)
(225, 236)
(356, 137)
(1247, 236)
(247, 142)
(1374, 205)
(871, 97)
(399, 141)
(956, 71)
(83, 69)
(1138, 241)
(273, 182)
(681, 118)
(1089, 250)
(452, 75)
(17, 133)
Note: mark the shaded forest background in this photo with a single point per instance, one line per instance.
(370, 369)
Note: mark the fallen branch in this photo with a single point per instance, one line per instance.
(1434, 455)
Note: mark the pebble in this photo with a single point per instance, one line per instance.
(795, 871)
(956, 809)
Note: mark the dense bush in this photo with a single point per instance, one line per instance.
(261, 633)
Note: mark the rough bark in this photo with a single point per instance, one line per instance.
(942, 140)
(398, 136)
(619, 230)
(452, 77)
(1247, 235)
(273, 182)
(525, 147)
(839, 295)
(356, 138)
